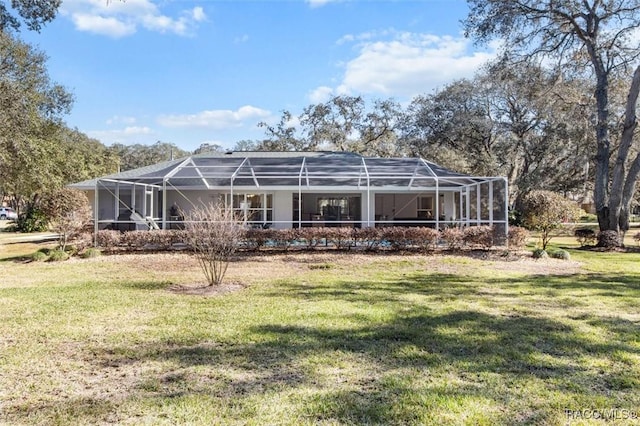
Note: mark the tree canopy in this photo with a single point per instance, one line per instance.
(34, 13)
(38, 152)
(594, 38)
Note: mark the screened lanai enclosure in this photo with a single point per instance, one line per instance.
(299, 189)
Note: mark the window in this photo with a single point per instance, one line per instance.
(425, 207)
(256, 208)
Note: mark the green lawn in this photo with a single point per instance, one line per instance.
(320, 339)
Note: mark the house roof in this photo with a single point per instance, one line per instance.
(258, 169)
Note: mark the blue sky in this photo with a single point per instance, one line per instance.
(193, 72)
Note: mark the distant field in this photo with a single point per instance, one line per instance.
(326, 338)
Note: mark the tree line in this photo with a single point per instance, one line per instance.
(556, 111)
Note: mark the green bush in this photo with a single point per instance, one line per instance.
(585, 236)
(33, 220)
(546, 211)
(561, 254)
(91, 253)
(39, 256)
(540, 254)
(58, 255)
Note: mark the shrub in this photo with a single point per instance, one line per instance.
(213, 233)
(396, 236)
(518, 237)
(608, 239)
(368, 237)
(423, 237)
(453, 237)
(39, 256)
(283, 238)
(33, 220)
(585, 236)
(340, 237)
(256, 238)
(540, 254)
(312, 237)
(161, 239)
(91, 253)
(68, 211)
(134, 240)
(561, 254)
(478, 236)
(545, 211)
(58, 255)
(109, 240)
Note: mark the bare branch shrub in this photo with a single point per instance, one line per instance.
(454, 237)
(479, 236)
(369, 238)
(213, 233)
(518, 237)
(108, 240)
(340, 237)
(312, 237)
(396, 236)
(69, 212)
(425, 238)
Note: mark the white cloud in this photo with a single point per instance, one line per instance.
(321, 94)
(128, 134)
(118, 119)
(216, 119)
(198, 14)
(111, 27)
(118, 18)
(406, 65)
(137, 130)
(319, 3)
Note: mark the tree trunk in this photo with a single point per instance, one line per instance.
(623, 183)
(600, 191)
(630, 125)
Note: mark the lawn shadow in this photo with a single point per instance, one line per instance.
(406, 359)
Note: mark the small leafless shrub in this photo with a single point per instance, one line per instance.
(69, 213)
(396, 236)
(256, 238)
(213, 233)
(108, 240)
(311, 237)
(424, 238)
(341, 238)
(368, 237)
(283, 238)
(518, 237)
(453, 237)
(479, 236)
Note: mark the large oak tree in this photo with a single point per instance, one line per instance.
(592, 37)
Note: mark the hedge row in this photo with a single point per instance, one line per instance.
(370, 239)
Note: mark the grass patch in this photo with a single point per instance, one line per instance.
(367, 340)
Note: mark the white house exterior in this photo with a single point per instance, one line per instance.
(298, 189)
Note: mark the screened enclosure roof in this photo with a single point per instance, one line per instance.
(279, 170)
